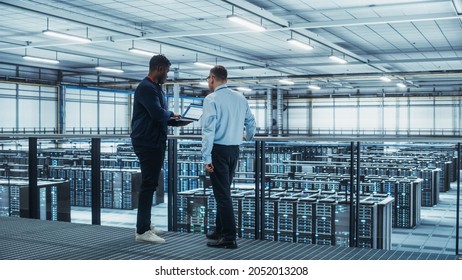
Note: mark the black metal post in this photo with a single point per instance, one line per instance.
(172, 192)
(352, 208)
(262, 190)
(458, 199)
(34, 196)
(257, 186)
(358, 185)
(96, 181)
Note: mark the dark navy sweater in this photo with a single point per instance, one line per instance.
(150, 116)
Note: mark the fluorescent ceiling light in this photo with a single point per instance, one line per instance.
(246, 89)
(65, 36)
(246, 23)
(314, 87)
(141, 52)
(204, 84)
(401, 85)
(385, 79)
(112, 70)
(300, 44)
(286, 82)
(201, 64)
(338, 59)
(39, 59)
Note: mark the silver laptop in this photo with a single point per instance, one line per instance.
(192, 113)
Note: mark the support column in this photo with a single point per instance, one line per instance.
(172, 183)
(34, 194)
(269, 111)
(96, 181)
(310, 117)
(279, 110)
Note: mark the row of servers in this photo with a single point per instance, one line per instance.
(312, 217)
(119, 188)
(430, 181)
(407, 192)
(54, 199)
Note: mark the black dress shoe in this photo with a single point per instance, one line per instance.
(223, 243)
(213, 235)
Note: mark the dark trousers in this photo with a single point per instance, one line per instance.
(151, 162)
(224, 160)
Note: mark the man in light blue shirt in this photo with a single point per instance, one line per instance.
(225, 114)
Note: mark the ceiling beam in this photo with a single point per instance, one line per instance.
(400, 5)
(458, 6)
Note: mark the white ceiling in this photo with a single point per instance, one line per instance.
(419, 41)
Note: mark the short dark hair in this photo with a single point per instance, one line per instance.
(219, 72)
(158, 61)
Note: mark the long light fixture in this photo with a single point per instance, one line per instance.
(40, 59)
(385, 79)
(313, 87)
(202, 64)
(111, 70)
(286, 82)
(338, 59)
(141, 52)
(66, 36)
(299, 44)
(401, 85)
(246, 23)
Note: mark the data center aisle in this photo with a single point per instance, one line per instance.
(434, 234)
(436, 231)
(120, 218)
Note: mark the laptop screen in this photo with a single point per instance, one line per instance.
(194, 112)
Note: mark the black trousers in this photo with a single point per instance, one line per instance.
(224, 160)
(151, 162)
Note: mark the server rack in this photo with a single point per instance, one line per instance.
(53, 195)
(406, 208)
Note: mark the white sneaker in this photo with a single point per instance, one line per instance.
(156, 230)
(149, 236)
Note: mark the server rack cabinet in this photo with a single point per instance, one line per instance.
(197, 211)
(286, 218)
(406, 208)
(325, 221)
(384, 221)
(270, 222)
(248, 224)
(183, 219)
(53, 194)
(430, 186)
(305, 218)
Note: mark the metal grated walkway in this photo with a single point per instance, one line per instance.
(29, 239)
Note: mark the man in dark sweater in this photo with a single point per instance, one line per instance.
(149, 134)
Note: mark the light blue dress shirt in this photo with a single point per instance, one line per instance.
(225, 114)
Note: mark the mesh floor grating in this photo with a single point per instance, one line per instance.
(29, 239)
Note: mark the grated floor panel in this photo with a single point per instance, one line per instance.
(29, 239)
